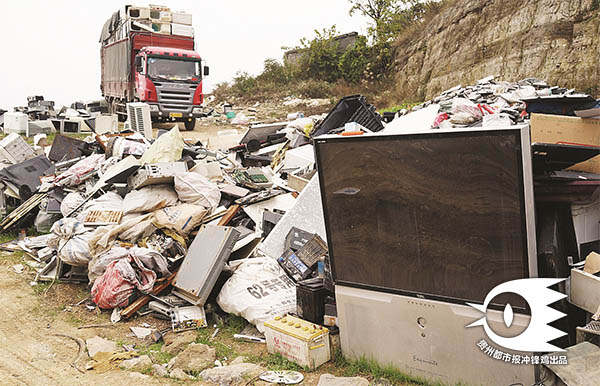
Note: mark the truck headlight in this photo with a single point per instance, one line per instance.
(154, 108)
(197, 110)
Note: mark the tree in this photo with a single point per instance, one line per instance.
(389, 17)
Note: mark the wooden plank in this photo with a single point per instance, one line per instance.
(143, 300)
(231, 212)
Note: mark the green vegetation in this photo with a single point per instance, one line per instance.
(277, 362)
(41, 288)
(154, 352)
(323, 70)
(7, 237)
(232, 325)
(11, 258)
(370, 368)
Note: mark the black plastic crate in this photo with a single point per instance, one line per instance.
(310, 300)
(352, 108)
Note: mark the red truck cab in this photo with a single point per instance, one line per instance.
(170, 81)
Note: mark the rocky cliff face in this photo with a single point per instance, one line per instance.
(554, 40)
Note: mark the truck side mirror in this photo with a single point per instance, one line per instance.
(206, 71)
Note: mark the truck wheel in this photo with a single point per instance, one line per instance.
(189, 125)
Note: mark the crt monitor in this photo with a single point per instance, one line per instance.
(444, 214)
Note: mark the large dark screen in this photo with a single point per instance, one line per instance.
(433, 214)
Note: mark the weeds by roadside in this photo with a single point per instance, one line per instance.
(371, 369)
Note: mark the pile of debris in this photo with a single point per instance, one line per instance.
(492, 103)
(153, 226)
(40, 117)
(179, 230)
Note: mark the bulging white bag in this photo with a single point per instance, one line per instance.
(193, 188)
(70, 202)
(258, 291)
(149, 199)
(70, 238)
(181, 218)
(107, 201)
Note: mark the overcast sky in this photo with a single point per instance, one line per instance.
(53, 50)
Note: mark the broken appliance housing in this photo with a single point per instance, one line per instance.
(206, 258)
(138, 114)
(451, 216)
(154, 174)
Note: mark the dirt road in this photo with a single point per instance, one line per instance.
(29, 353)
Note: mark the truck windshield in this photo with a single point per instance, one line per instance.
(173, 69)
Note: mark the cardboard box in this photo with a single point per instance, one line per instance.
(570, 130)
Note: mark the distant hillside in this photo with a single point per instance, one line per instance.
(555, 40)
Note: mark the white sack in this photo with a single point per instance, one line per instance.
(246, 295)
(196, 189)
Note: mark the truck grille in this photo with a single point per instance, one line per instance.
(175, 96)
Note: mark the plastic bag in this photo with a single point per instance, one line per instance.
(70, 202)
(180, 218)
(123, 147)
(240, 119)
(440, 118)
(98, 264)
(196, 189)
(151, 260)
(245, 295)
(305, 125)
(149, 199)
(44, 221)
(497, 120)
(121, 278)
(74, 175)
(102, 239)
(465, 112)
(137, 230)
(107, 201)
(70, 238)
(167, 148)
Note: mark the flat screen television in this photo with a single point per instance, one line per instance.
(441, 215)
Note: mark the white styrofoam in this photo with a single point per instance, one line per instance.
(182, 30)
(15, 122)
(418, 120)
(299, 157)
(181, 18)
